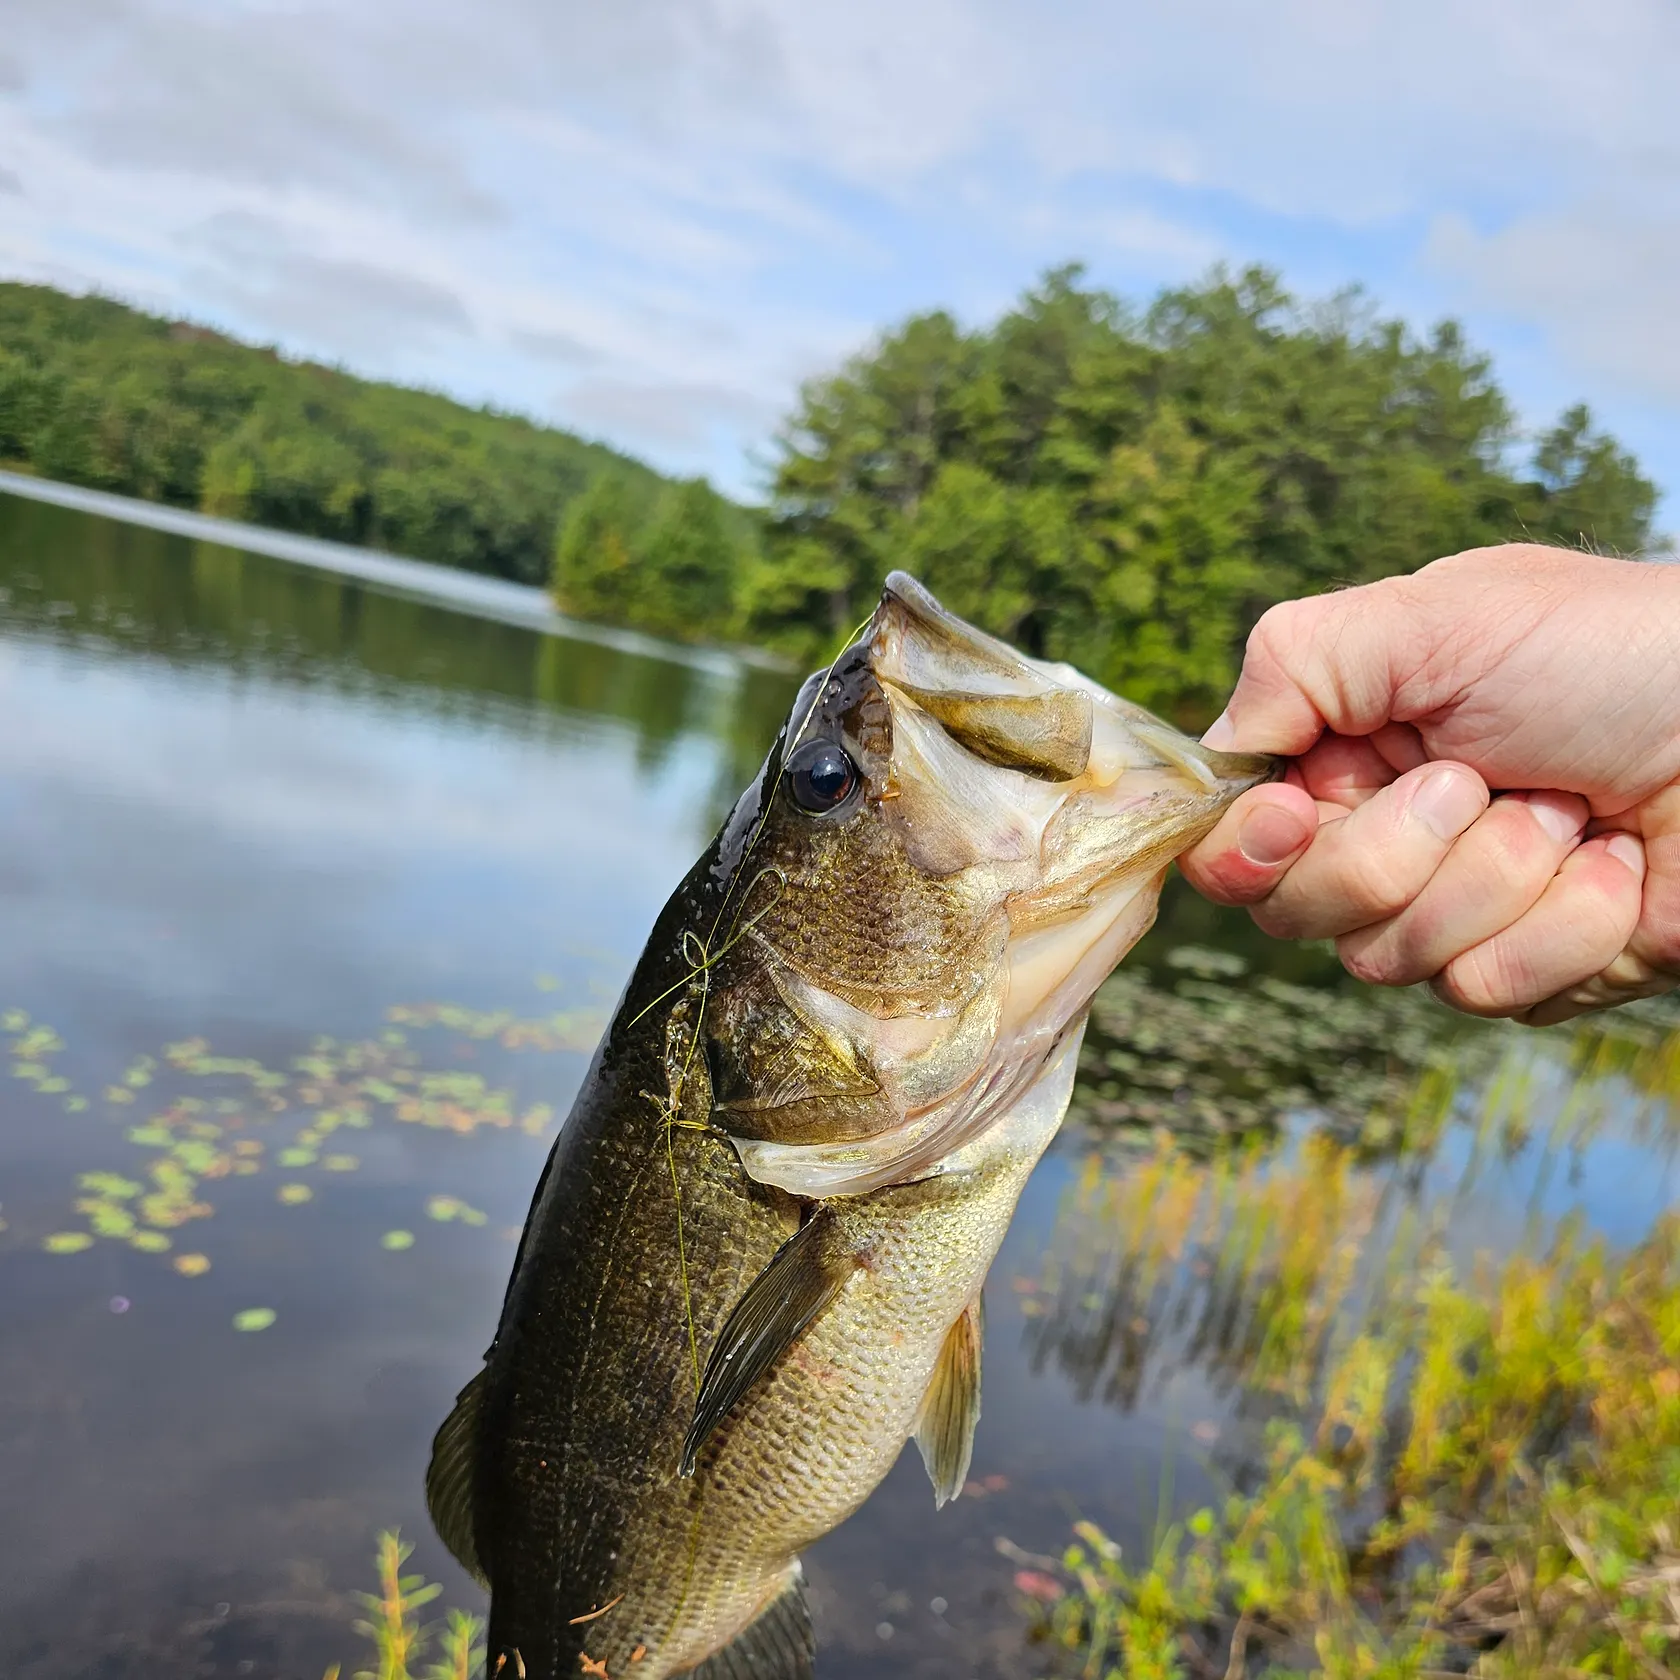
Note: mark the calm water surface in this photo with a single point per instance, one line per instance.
(244, 808)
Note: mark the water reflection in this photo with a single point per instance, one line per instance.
(242, 805)
(1171, 1251)
(103, 586)
(1237, 1268)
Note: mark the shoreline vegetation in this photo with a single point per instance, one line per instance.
(1447, 1448)
(1123, 487)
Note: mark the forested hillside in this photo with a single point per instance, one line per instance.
(1128, 490)
(95, 393)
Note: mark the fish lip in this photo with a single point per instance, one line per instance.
(915, 598)
(1235, 773)
(1002, 706)
(904, 595)
(914, 608)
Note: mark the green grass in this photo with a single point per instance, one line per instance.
(1492, 1483)
(1461, 1466)
(400, 1640)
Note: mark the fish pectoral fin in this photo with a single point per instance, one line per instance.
(806, 1273)
(449, 1479)
(951, 1406)
(778, 1645)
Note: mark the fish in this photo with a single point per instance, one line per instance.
(753, 1265)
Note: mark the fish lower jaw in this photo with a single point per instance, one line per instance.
(1008, 1117)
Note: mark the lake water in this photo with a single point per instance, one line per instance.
(246, 809)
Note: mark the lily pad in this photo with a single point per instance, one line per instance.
(292, 1194)
(446, 1208)
(110, 1184)
(397, 1240)
(191, 1265)
(67, 1242)
(254, 1318)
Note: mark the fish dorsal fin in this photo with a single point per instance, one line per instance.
(779, 1645)
(951, 1407)
(449, 1478)
(806, 1273)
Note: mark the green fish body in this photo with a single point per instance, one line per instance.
(753, 1266)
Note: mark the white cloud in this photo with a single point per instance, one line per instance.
(1598, 277)
(667, 413)
(655, 216)
(254, 265)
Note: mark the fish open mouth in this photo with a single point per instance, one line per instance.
(1051, 808)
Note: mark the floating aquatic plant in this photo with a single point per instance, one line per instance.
(447, 1208)
(1213, 1053)
(189, 1141)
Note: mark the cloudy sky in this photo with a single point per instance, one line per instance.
(649, 219)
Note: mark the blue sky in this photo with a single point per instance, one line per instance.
(650, 219)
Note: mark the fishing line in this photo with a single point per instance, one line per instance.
(670, 1106)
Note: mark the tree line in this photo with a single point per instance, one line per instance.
(1128, 489)
(95, 393)
(1123, 487)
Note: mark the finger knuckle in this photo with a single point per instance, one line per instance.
(1378, 962)
(1377, 884)
(1344, 896)
(1282, 628)
(1485, 981)
(1512, 846)
(1602, 921)
(1664, 946)
(1274, 919)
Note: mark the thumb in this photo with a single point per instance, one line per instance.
(1334, 662)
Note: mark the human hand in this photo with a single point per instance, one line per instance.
(1551, 676)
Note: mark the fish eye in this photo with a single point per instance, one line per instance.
(820, 776)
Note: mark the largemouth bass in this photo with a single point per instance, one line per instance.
(753, 1266)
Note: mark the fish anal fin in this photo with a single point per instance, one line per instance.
(951, 1406)
(778, 1645)
(803, 1277)
(449, 1478)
